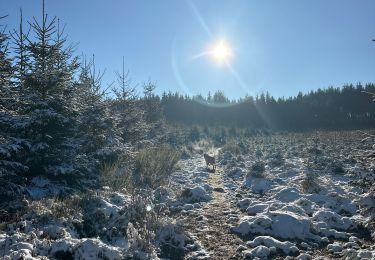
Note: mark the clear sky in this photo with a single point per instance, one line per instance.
(278, 46)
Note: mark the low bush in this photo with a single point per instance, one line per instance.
(171, 239)
(194, 134)
(219, 136)
(315, 151)
(48, 210)
(310, 183)
(145, 222)
(186, 151)
(231, 147)
(115, 176)
(276, 159)
(257, 170)
(337, 167)
(153, 166)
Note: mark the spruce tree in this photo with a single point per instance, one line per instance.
(131, 122)
(151, 104)
(47, 91)
(11, 146)
(21, 55)
(6, 69)
(97, 133)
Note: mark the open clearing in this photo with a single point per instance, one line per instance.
(296, 196)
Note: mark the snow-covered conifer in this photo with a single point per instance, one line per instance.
(97, 132)
(131, 121)
(46, 93)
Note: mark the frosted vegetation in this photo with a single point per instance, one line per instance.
(89, 175)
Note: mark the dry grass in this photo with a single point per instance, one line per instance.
(232, 147)
(153, 166)
(49, 209)
(115, 176)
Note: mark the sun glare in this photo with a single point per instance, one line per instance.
(221, 51)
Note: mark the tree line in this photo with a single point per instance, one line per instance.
(348, 107)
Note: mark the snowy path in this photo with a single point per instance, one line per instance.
(212, 228)
(208, 222)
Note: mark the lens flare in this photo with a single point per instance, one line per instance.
(221, 51)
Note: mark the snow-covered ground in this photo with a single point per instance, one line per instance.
(308, 201)
(283, 196)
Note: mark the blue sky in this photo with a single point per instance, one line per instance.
(278, 46)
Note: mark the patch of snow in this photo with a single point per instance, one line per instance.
(354, 239)
(24, 245)
(351, 245)
(120, 199)
(196, 194)
(256, 208)
(329, 232)
(93, 248)
(330, 219)
(244, 203)
(56, 232)
(286, 247)
(188, 207)
(109, 209)
(258, 185)
(367, 200)
(63, 245)
(294, 208)
(284, 225)
(40, 187)
(334, 248)
(236, 173)
(259, 251)
(304, 256)
(339, 203)
(171, 233)
(21, 254)
(288, 194)
(196, 205)
(365, 254)
(307, 205)
(207, 187)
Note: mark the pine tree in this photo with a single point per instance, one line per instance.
(131, 122)
(11, 146)
(97, 133)
(47, 91)
(21, 55)
(6, 68)
(151, 105)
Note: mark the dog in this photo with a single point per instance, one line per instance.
(210, 160)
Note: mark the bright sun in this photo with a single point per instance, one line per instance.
(221, 51)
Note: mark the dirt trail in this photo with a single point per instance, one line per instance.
(213, 228)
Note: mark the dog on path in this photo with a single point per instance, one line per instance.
(210, 160)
